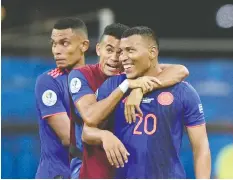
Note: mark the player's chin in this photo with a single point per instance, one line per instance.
(62, 65)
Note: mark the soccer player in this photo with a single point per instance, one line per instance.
(154, 141)
(84, 81)
(69, 41)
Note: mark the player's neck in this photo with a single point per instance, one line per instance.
(80, 63)
(154, 70)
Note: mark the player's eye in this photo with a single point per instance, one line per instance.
(131, 50)
(109, 50)
(65, 43)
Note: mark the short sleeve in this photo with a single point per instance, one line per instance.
(193, 110)
(48, 96)
(78, 85)
(109, 86)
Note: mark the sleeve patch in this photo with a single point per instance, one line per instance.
(75, 85)
(49, 98)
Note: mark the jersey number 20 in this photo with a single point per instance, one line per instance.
(149, 117)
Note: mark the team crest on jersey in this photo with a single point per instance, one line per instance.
(49, 98)
(165, 98)
(75, 85)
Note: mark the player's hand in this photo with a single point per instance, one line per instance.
(115, 150)
(147, 83)
(133, 102)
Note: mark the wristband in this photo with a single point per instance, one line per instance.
(124, 86)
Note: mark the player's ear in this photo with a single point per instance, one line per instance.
(153, 52)
(98, 49)
(85, 45)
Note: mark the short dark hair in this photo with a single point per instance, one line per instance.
(71, 22)
(143, 31)
(116, 30)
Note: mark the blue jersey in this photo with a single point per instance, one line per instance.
(52, 97)
(154, 141)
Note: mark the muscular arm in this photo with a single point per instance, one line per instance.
(93, 112)
(171, 74)
(201, 151)
(60, 123)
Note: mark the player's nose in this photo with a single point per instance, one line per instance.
(123, 57)
(114, 60)
(57, 51)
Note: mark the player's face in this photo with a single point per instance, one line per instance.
(134, 56)
(108, 52)
(67, 47)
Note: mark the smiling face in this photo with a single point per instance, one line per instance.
(108, 52)
(135, 56)
(68, 47)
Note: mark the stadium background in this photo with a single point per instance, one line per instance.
(198, 34)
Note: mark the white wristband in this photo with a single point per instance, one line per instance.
(124, 86)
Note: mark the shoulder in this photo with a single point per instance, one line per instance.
(46, 85)
(114, 81)
(118, 78)
(49, 77)
(90, 68)
(182, 90)
(87, 69)
(51, 74)
(76, 74)
(185, 86)
(54, 73)
(181, 86)
(44, 77)
(187, 92)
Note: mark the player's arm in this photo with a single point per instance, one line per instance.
(113, 147)
(92, 135)
(201, 152)
(60, 123)
(92, 112)
(171, 74)
(195, 122)
(52, 110)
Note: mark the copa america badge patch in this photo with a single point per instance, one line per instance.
(49, 98)
(75, 85)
